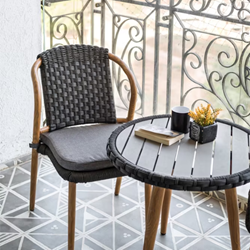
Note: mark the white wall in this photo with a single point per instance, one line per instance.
(20, 42)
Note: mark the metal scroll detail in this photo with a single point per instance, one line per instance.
(214, 54)
(227, 75)
(133, 49)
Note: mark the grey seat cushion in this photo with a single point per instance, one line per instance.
(80, 148)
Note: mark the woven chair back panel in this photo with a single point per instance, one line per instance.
(77, 86)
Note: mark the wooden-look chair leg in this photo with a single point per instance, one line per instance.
(153, 217)
(118, 185)
(165, 211)
(33, 178)
(147, 192)
(233, 217)
(71, 215)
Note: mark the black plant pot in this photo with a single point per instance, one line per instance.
(203, 134)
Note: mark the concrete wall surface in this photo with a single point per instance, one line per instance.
(20, 41)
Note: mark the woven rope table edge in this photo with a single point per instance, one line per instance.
(172, 182)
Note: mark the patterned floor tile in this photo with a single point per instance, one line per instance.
(204, 242)
(104, 221)
(178, 206)
(214, 206)
(133, 219)
(190, 220)
(28, 244)
(13, 244)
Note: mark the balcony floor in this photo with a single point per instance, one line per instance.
(103, 220)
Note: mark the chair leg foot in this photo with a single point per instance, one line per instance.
(33, 178)
(71, 215)
(118, 185)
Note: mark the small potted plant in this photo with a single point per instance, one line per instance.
(203, 128)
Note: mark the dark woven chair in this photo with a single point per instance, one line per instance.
(77, 90)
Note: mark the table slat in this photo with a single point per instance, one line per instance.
(166, 158)
(221, 164)
(185, 156)
(134, 145)
(202, 164)
(240, 149)
(122, 138)
(151, 148)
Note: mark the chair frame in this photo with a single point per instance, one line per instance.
(36, 136)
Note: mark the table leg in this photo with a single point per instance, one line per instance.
(153, 217)
(233, 217)
(165, 211)
(147, 192)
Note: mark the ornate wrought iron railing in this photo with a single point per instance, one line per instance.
(181, 51)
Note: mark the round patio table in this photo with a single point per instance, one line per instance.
(186, 165)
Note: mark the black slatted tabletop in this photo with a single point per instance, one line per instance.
(185, 165)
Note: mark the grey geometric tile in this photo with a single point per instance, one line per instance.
(180, 231)
(130, 191)
(122, 235)
(178, 206)
(107, 183)
(184, 241)
(208, 244)
(167, 239)
(23, 190)
(133, 219)
(5, 176)
(26, 224)
(198, 197)
(90, 186)
(89, 245)
(107, 241)
(190, 220)
(49, 204)
(184, 195)
(78, 245)
(12, 245)
(19, 177)
(87, 197)
(104, 204)
(28, 245)
(207, 220)
(43, 189)
(122, 204)
(5, 228)
(93, 219)
(139, 245)
(223, 230)
(25, 213)
(27, 165)
(53, 178)
(213, 206)
(12, 202)
(49, 241)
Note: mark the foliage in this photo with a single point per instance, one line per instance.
(204, 116)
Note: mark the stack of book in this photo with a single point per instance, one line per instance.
(159, 134)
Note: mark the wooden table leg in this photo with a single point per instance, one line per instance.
(153, 217)
(233, 217)
(147, 192)
(165, 211)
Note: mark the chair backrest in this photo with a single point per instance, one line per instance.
(77, 86)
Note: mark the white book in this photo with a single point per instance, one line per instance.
(159, 134)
